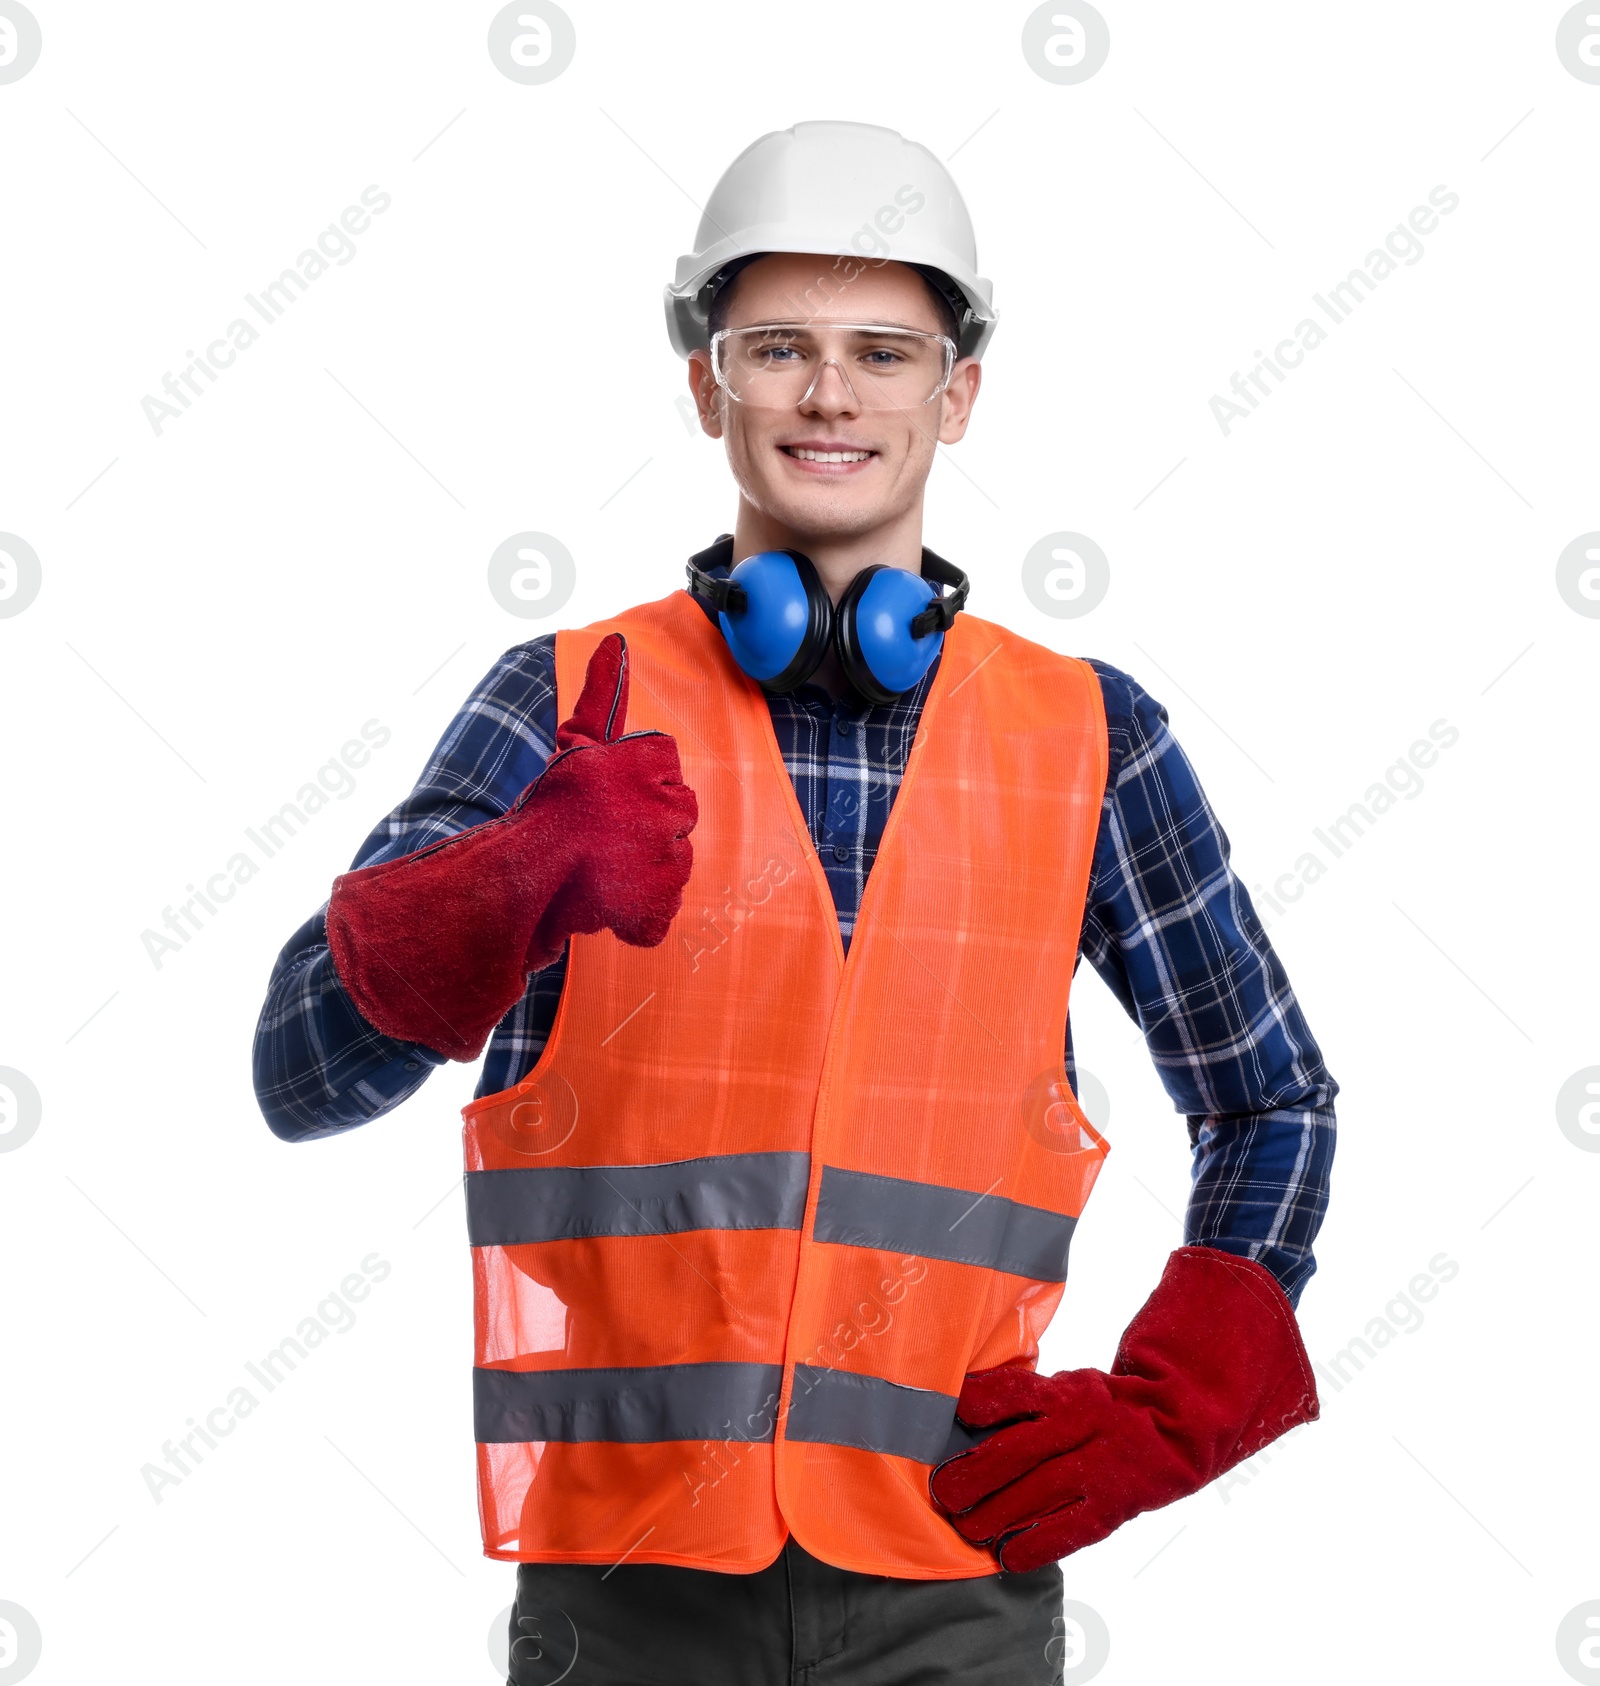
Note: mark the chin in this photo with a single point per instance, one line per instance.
(821, 525)
(826, 514)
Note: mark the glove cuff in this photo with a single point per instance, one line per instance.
(1216, 1312)
(430, 946)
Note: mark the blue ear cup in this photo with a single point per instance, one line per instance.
(880, 654)
(779, 623)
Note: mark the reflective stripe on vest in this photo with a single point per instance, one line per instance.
(674, 1402)
(758, 1208)
(730, 1191)
(857, 1210)
(842, 1408)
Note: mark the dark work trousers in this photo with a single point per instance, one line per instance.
(798, 1622)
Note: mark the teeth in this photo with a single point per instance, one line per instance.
(826, 456)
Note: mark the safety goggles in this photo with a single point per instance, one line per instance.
(778, 364)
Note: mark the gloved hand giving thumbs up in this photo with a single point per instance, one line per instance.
(436, 947)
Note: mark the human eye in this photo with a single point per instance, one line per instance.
(883, 356)
(777, 351)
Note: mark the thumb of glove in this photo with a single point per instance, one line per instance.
(600, 714)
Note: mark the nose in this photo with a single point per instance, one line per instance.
(830, 394)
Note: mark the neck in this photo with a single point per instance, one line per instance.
(837, 559)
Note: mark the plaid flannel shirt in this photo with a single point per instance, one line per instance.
(1167, 925)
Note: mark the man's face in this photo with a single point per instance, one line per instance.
(831, 499)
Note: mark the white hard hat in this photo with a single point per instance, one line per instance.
(841, 190)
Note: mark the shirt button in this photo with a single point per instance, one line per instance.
(840, 853)
(845, 728)
(413, 1065)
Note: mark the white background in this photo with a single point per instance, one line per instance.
(230, 600)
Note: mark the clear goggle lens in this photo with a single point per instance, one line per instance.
(777, 367)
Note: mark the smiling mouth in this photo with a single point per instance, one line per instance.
(840, 458)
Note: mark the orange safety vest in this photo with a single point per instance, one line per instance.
(759, 1207)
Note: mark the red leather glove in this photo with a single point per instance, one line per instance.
(436, 947)
(1208, 1373)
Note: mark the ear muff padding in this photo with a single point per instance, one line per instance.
(872, 632)
(781, 635)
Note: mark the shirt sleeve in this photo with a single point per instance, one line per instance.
(1172, 931)
(319, 1067)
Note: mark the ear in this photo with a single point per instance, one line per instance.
(957, 399)
(706, 393)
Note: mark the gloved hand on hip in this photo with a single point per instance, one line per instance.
(436, 947)
(1208, 1373)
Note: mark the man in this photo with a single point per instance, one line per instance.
(774, 1161)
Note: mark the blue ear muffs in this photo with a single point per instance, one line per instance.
(779, 621)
